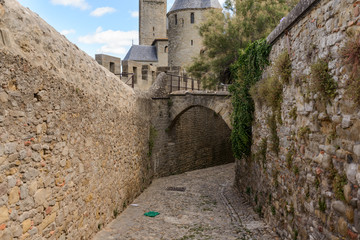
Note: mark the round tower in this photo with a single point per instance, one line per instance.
(185, 41)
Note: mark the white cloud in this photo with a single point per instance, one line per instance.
(134, 14)
(102, 11)
(113, 42)
(221, 2)
(67, 32)
(82, 4)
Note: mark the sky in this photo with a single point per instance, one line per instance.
(95, 26)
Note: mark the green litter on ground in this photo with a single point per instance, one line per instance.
(151, 214)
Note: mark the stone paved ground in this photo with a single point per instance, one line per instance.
(209, 208)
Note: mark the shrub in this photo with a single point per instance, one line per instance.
(322, 81)
(269, 92)
(350, 54)
(322, 204)
(338, 186)
(262, 151)
(282, 67)
(274, 138)
(289, 158)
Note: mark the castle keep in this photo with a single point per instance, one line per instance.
(168, 41)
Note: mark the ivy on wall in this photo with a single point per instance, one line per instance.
(248, 71)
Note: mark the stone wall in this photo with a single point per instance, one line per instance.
(192, 132)
(144, 74)
(311, 189)
(73, 137)
(113, 64)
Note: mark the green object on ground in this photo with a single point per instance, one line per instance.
(151, 214)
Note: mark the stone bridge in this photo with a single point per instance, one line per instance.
(193, 129)
(219, 102)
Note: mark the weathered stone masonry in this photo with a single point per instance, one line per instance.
(73, 138)
(298, 193)
(193, 131)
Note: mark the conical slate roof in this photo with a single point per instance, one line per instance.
(194, 4)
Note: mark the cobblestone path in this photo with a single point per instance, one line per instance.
(196, 205)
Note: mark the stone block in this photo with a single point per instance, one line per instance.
(3, 97)
(14, 195)
(357, 150)
(47, 221)
(41, 196)
(339, 207)
(10, 148)
(342, 227)
(346, 122)
(351, 171)
(32, 188)
(26, 225)
(1, 150)
(4, 214)
(350, 214)
(347, 192)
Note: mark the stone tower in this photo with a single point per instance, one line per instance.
(152, 21)
(185, 41)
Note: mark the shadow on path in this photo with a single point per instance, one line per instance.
(201, 204)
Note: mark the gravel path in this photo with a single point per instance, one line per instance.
(197, 205)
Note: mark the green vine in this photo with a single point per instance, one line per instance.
(248, 71)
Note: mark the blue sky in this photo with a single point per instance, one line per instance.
(95, 26)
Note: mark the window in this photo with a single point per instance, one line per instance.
(192, 42)
(175, 19)
(192, 18)
(166, 49)
(153, 29)
(112, 67)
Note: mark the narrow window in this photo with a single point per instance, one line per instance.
(175, 19)
(192, 42)
(112, 67)
(192, 18)
(165, 49)
(153, 29)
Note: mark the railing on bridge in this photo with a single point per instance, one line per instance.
(176, 83)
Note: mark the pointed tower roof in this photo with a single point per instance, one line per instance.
(194, 4)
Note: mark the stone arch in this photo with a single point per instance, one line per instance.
(219, 103)
(197, 138)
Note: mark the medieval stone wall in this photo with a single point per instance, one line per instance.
(311, 189)
(73, 137)
(198, 138)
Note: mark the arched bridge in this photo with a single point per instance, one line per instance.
(182, 101)
(193, 131)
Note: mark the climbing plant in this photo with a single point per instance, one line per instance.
(247, 70)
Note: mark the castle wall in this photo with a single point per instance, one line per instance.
(144, 74)
(162, 53)
(113, 64)
(73, 137)
(310, 191)
(184, 39)
(152, 20)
